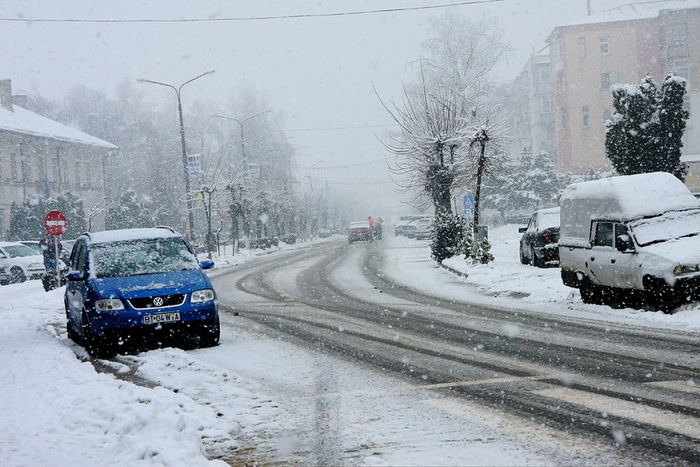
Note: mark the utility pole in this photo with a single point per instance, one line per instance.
(178, 91)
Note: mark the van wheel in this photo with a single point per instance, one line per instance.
(660, 295)
(591, 293)
(97, 347)
(210, 335)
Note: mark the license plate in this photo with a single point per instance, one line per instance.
(161, 318)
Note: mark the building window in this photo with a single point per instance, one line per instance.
(543, 73)
(607, 114)
(603, 45)
(581, 44)
(677, 38)
(546, 103)
(586, 112)
(560, 49)
(13, 166)
(562, 118)
(26, 170)
(605, 81)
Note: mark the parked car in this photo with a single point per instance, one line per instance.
(21, 262)
(635, 235)
(400, 226)
(33, 244)
(138, 282)
(360, 230)
(539, 244)
(421, 228)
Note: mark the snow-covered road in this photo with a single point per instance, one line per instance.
(362, 354)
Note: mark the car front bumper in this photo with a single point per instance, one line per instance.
(130, 319)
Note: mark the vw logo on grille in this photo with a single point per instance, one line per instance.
(158, 301)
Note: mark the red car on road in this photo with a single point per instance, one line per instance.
(360, 231)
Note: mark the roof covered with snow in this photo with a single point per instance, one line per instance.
(635, 11)
(125, 235)
(29, 123)
(623, 198)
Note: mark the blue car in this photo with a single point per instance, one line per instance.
(138, 282)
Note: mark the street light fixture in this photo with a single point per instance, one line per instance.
(241, 122)
(178, 90)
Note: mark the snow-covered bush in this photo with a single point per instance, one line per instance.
(448, 236)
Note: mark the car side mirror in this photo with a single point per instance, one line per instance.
(206, 264)
(75, 276)
(522, 230)
(623, 244)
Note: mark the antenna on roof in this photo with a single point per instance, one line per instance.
(588, 2)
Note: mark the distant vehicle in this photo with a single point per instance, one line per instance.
(631, 236)
(138, 282)
(21, 262)
(421, 228)
(539, 244)
(400, 227)
(324, 233)
(358, 231)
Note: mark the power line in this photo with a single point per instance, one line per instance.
(359, 164)
(247, 18)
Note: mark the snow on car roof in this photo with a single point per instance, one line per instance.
(359, 224)
(633, 196)
(125, 235)
(22, 120)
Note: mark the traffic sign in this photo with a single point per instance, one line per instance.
(468, 205)
(55, 223)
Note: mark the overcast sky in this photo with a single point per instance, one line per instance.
(318, 71)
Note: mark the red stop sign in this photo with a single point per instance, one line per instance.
(55, 223)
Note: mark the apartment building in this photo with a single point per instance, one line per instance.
(41, 158)
(620, 45)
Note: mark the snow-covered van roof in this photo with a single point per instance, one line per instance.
(622, 198)
(125, 235)
(24, 121)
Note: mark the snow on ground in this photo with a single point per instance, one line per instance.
(57, 409)
(507, 283)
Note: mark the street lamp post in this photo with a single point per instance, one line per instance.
(241, 122)
(178, 90)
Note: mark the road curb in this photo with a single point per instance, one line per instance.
(453, 270)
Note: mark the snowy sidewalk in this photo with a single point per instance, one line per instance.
(506, 283)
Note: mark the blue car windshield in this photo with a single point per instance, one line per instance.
(139, 257)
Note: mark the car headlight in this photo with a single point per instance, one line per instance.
(204, 295)
(682, 269)
(109, 304)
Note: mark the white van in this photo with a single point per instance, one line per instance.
(635, 235)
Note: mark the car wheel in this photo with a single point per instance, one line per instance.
(210, 335)
(538, 263)
(17, 275)
(97, 347)
(523, 258)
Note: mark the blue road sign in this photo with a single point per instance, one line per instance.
(468, 205)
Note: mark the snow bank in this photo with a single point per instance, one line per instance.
(507, 284)
(57, 410)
